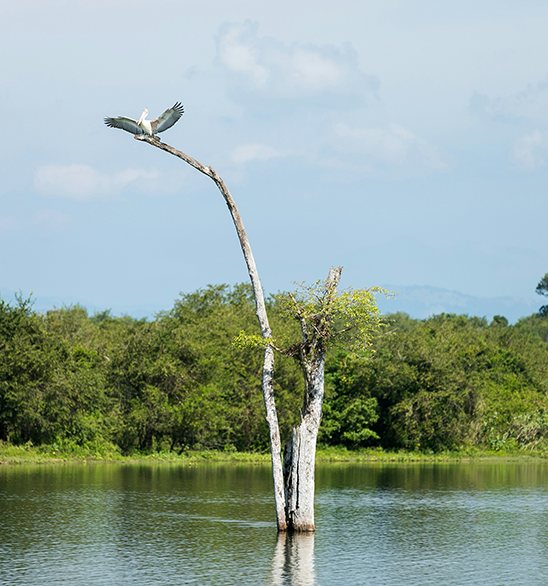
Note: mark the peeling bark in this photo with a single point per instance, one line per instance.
(300, 455)
(300, 450)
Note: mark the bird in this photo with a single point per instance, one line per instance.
(148, 127)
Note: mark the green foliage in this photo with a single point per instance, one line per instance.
(542, 289)
(102, 384)
(212, 319)
(328, 317)
(50, 387)
(452, 381)
(349, 411)
(245, 340)
(499, 320)
(26, 370)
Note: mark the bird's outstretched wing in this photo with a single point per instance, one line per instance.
(124, 123)
(167, 119)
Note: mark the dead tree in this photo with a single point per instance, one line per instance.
(323, 315)
(300, 450)
(266, 332)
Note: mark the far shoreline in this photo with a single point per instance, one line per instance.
(11, 455)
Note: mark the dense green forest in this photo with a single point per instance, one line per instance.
(180, 382)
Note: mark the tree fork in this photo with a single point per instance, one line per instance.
(300, 450)
(266, 332)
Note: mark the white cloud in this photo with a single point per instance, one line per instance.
(240, 56)
(531, 150)
(254, 152)
(81, 182)
(278, 80)
(313, 70)
(270, 69)
(357, 149)
(530, 103)
(393, 146)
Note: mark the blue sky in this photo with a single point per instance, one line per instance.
(404, 140)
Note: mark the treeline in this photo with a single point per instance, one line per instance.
(179, 382)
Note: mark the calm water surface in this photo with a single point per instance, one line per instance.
(406, 525)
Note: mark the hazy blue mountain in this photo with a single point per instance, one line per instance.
(423, 301)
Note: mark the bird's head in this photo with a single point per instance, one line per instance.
(143, 115)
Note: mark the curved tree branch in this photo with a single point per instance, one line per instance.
(260, 309)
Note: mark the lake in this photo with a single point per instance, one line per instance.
(376, 524)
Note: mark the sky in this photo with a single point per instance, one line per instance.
(406, 141)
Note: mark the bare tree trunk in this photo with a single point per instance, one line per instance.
(300, 450)
(300, 455)
(268, 364)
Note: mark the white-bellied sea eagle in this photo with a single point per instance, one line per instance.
(150, 127)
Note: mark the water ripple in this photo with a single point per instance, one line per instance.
(448, 525)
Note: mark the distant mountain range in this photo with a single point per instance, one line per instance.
(423, 301)
(418, 301)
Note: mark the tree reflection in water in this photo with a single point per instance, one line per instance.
(293, 561)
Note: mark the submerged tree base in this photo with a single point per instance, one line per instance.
(299, 462)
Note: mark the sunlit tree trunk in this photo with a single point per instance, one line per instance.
(268, 364)
(300, 453)
(300, 450)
